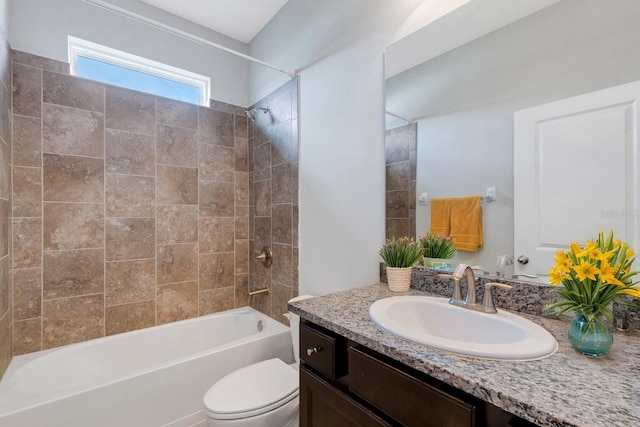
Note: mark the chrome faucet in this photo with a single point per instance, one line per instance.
(502, 261)
(463, 270)
(470, 301)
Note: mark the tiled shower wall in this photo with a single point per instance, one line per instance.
(130, 210)
(6, 339)
(273, 210)
(401, 154)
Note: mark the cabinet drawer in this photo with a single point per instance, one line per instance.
(324, 352)
(404, 398)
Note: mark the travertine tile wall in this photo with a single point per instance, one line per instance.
(6, 291)
(401, 151)
(273, 209)
(130, 210)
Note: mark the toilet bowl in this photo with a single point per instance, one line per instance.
(264, 394)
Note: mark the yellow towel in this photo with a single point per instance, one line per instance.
(466, 223)
(440, 213)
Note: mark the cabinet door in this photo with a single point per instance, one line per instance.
(322, 405)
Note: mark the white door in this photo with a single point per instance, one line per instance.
(575, 172)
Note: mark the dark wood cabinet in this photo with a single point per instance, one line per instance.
(345, 384)
(324, 351)
(325, 405)
(404, 397)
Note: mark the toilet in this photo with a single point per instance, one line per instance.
(265, 394)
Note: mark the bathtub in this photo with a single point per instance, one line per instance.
(151, 377)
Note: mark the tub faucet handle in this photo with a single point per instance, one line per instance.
(266, 256)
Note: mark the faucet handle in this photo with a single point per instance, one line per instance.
(488, 304)
(530, 276)
(457, 292)
(480, 269)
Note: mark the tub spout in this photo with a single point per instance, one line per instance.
(256, 292)
(259, 291)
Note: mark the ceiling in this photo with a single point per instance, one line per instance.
(238, 19)
(454, 26)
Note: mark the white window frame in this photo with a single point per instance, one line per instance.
(87, 49)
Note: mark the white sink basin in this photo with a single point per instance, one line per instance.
(436, 323)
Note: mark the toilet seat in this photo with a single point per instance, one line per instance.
(252, 390)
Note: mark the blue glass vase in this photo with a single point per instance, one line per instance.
(594, 341)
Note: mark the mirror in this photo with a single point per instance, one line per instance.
(463, 99)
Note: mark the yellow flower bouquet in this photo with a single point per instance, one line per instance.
(592, 276)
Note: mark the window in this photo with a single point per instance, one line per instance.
(96, 62)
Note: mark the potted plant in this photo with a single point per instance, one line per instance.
(592, 276)
(400, 255)
(437, 251)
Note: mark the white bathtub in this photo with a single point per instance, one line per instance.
(152, 377)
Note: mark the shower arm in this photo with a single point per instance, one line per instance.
(251, 113)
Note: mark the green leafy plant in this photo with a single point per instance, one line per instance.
(592, 276)
(400, 252)
(436, 246)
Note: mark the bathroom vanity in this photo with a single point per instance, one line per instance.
(343, 383)
(353, 373)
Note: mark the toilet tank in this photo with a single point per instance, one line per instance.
(294, 323)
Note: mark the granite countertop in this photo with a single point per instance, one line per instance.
(565, 389)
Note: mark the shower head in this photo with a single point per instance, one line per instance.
(251, 114)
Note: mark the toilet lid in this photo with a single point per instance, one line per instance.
(252, 390)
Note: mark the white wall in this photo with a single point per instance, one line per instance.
(338, 47)
(465, 141)
(4, 16)
(41, 27)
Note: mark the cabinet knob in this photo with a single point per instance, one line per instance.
(310, 351)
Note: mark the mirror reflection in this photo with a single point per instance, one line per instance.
(458, 106)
